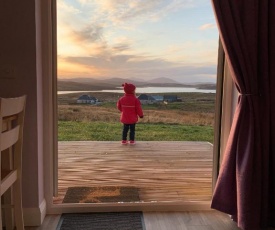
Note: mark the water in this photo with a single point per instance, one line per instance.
(150, 90)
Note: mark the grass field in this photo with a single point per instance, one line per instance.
(107, 131)
(189, 120)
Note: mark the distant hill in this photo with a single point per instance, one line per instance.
(162, 80)
(72, 85)
(205, 86)
(89, 84)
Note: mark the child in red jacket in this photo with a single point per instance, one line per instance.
(130, 108)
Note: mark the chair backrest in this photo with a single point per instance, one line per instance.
(11, 119)
(12, 112)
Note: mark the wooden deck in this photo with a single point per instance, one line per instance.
(163, 171)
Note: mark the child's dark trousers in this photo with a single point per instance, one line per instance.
(125, 130)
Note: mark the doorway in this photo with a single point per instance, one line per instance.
(206, 26)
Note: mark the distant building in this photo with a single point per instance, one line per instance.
(158, 98)
(86, 99)
(170, 98)
(146, 99)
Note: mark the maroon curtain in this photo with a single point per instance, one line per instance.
(246, 183)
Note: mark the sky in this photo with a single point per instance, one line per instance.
(137, 39)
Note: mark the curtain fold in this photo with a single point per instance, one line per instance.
(245, 187)
(270, 215)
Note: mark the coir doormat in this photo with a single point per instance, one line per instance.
(102, 221)
(101, 194)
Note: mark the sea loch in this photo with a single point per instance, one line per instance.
(150, 90)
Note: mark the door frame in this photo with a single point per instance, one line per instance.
(223, 111)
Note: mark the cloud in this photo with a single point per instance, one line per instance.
(80, 42)
(85, 2)
(130, 66)
(203, 51)
(90, 41)
(120, 12)
(121, 47)
(208, 26)
(64, 8)
(92, 33)
(94, 41)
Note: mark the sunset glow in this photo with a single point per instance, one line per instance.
(139, 39)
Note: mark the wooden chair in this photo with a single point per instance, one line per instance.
(12, 112)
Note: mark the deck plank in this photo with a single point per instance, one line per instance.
(163, 171)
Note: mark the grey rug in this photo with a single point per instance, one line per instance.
(102, 221)
(104, 194)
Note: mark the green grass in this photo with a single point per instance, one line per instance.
(190, 106)
(98, 130)
(103, 131)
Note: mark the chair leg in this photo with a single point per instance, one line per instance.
(1, 225)
(7, 164)
(8, 212)
(18, 211)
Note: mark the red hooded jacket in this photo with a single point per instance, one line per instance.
(130, 108)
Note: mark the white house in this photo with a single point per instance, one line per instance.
(146, 99)
(86, 99)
